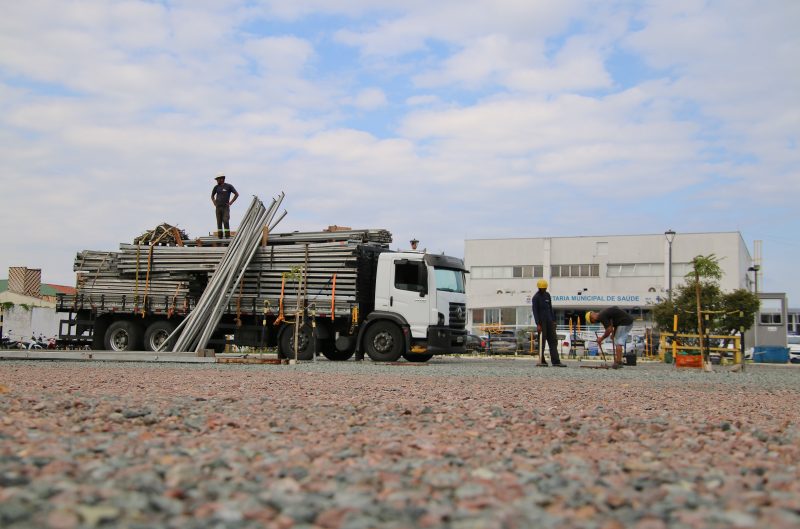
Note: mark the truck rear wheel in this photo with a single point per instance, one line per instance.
(334, 355)
(157, 333)
(305, 343)
(383, 342)
(123, 335)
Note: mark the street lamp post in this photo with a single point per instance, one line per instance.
(755, 269)
(670, 236)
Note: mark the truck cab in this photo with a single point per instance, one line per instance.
(421, 295)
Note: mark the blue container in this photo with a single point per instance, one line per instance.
(771, 354)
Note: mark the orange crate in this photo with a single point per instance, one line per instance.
(689, 361)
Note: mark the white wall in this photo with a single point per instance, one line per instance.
(21, 323)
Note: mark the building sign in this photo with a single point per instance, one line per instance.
(603, 299)
(600, 299)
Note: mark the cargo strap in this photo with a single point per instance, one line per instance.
(280, 302)
(333, 299)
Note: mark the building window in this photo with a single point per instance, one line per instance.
(575, 270)
(507, 272)
(637, 270)
(524, 316)
(491, 315)
(508, 316)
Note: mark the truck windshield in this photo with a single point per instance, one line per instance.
(449, 280)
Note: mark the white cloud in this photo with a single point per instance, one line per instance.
(116, 115)
(369, 99)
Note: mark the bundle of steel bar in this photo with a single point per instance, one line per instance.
(203, 319)
(379, 236)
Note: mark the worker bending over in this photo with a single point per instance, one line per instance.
(617, 324)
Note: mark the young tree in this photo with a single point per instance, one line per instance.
(702, 295)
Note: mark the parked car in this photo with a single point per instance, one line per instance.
(634, 344)
(566, 341)
(475, 344)
(794, 348)
(504, 342)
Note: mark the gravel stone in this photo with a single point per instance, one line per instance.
(454, 443)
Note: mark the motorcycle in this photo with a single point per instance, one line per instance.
(7, 342)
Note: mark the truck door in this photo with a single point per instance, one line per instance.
(409, 295)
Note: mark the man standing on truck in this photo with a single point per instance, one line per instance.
(545, 319)
(221, 198)
(618, 324)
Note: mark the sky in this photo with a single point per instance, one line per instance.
(441, 121)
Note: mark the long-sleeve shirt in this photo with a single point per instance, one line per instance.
(542, 307)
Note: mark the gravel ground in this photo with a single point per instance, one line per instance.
(455, 443)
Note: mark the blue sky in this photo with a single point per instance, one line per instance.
(439, 120)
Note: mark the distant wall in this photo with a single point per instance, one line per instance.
(21, 322)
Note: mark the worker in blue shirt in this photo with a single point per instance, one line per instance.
(221, 198)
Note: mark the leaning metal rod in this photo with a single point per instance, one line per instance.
(192, 320)
(191, 327)
(221, 282)
(249, 239)
(215, 315)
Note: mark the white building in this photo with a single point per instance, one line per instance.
(593, 272)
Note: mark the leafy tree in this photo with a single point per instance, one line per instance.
(728, 313)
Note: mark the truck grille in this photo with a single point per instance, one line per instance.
(458, 316)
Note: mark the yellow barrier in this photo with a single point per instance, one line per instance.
(690, 342)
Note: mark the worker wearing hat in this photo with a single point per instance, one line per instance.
(617, 324)
(545, 319)
(221, 198)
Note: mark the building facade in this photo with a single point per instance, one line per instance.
(591, 273)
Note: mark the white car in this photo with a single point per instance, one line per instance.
(794, 349)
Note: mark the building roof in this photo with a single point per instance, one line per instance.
(45, 290)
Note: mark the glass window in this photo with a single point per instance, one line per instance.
(449, 280)
(524, 316)
(517, 271)
(478, 272)
(410, 275)
(555, 271)
(491, 315)
(508, 316)
(538, 270)
(477, 315)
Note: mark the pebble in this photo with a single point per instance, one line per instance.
(459, 443)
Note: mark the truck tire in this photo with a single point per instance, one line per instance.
(334, 355)
(383, 342)
(417, 357)
(123, 335)
(156, 333)
(305, 349)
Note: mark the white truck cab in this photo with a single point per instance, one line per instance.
(422, 296)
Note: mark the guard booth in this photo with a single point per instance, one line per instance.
(769, 334)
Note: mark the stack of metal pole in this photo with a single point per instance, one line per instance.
(201, 322)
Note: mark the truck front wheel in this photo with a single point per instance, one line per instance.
(157, 333)
(383, 342)
(123, 335)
